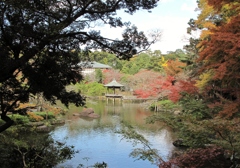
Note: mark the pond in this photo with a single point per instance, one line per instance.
(97, 140)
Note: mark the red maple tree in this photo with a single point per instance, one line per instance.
(165, 87)
(221, 54)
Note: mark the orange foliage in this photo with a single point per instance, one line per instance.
(222, 51)
(53, 109)
(25, 105)
(229, 109)
(174, 67)
(221, 55)
(34, 117)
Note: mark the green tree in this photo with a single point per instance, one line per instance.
(41, 43)
(155, 53)
(126, 67)
(134, 69)
(99, 76)
(155, 64)
(177, 54)
(142, 60)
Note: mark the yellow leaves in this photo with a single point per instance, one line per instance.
(204, 79)
(163, 62)
(206, 11)
(205, 34)
(205, 21)
(230, 9)
(173, 67)
(209, 25)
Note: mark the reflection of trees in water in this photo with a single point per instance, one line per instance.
(142, 141)
(96, 136)
(110, 117)
(24, 147)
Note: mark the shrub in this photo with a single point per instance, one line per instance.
(200, 158)
(167, 104)
(46, 114)
(164, 105)
(19, 119)
(34, 117)
(91, 89)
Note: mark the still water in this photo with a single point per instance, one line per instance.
(97, 140)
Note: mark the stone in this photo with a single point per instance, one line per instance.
(88, 112)
(177, 112)
(179, 143)
(58, 122)
(93, 115)
(76, 114)
(44, 128)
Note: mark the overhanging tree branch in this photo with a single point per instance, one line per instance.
(43, 39)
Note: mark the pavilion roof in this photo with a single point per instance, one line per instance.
(113, 84)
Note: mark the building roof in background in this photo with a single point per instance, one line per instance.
(94, 65)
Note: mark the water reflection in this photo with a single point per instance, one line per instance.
(97, 141)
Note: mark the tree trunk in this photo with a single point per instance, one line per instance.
(8, 122)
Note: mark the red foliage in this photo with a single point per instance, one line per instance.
(140, 82)
(110, 74)
(142, 94)
(199, 158)
(188, 86)
(174, 94)
(165, 87)
(154, 87)
(179, 87)
(229, 109)
(221, 55)
(222, 50)
(214, 105)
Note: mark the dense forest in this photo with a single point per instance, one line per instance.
(40, 50)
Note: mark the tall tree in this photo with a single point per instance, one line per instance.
(40, 42)
(220, 56)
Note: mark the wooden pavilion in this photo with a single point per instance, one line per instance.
(113, 85)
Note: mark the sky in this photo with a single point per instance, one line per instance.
(170, 17)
